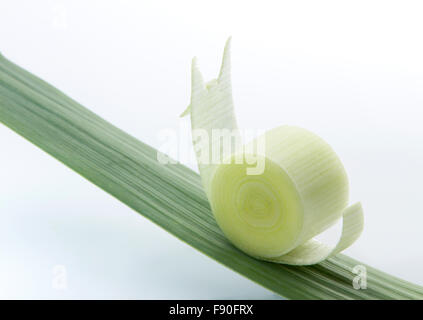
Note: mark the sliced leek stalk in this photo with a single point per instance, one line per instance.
(274, 213)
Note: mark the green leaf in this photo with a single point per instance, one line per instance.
(169, 195)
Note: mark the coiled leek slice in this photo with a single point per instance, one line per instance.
(271, 212)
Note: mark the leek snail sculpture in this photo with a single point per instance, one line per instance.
(302, 190)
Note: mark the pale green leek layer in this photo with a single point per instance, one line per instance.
(274, 213)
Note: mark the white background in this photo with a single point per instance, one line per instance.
(351, 72)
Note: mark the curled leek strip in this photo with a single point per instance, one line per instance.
(272, 212)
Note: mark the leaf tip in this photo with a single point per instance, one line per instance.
(186, 112)
(225, 69)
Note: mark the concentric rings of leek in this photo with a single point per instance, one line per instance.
(301, 192)
(261, 215)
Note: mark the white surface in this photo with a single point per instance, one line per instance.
(352, 73)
